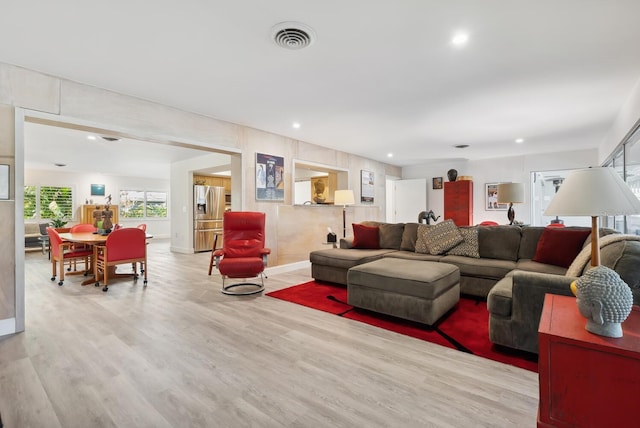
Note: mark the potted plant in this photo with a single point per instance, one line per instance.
(58, 216)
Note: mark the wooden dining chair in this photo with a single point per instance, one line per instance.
(123, 246)
(65, 251)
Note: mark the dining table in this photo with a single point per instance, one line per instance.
(93, 239)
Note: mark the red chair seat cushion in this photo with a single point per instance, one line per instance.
(77, 253)
(241, 267)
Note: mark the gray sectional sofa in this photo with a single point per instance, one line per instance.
(502, 270)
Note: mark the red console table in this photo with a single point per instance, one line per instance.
(586, 380)
(458, 202)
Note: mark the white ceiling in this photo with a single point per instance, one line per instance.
(381, 77)
(45, 146)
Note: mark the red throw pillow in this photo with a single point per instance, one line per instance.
(366, 237)
(559, 246)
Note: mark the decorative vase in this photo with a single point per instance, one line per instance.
(452, 174)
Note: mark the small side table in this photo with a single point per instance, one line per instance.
(586, 380)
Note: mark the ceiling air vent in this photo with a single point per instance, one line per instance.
(292, 35)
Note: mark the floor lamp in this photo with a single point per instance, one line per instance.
(344, 198)
(511, 193)
(594, 192)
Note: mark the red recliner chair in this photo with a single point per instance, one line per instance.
(243, 254)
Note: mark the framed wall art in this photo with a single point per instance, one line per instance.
(437, 182)
(367, 187)
(269, 177)
(97, 190)
(4, 182)
(491, 198)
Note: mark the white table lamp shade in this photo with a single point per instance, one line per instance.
(510, 193)
(344, 197)
(593, 192)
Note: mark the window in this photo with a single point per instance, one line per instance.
(140, 204)
(48, 202)
(626, 161)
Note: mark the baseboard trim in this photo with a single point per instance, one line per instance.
(7, 326)
(290, 267)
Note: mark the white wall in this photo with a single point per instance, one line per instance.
(514, 169)
(81, 184)
(627, 117)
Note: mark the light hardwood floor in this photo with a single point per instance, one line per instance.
(181, 354)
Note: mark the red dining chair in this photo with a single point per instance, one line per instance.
(243, 254)
(123, 246)
(65, 251)
(489, 223)
(80, 228)
(143, 227)
(555, 225)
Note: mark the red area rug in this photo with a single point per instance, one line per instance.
(464, 328)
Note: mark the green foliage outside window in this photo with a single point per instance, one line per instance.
(140, 204)
(49, 202)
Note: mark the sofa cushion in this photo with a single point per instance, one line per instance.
(366, 237)
(469, 246)
(442, 237)
(344, 258)
(412, 255)
(623, 257)
(529, 241)
(500, 297)
(391, 235)
(481, 268)
(409, 237)
(499, 242)
(531, 266)
(559, 246)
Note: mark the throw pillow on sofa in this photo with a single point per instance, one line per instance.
(560, 246)
(470, 246)
(421, 240)
(366, 237)
(442, 237)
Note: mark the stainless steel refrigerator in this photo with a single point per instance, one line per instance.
(208, 207)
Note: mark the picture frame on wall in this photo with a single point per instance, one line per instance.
(367, 186)
(4, 182)
(269, 177)
(436, 183)
(491, 198)
(97, 190)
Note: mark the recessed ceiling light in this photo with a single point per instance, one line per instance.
(110, 138)
(519, 140)
(91, 137)
(389, 155)
(460, 39)
(461, 146)
(296, 125)
(60, 165)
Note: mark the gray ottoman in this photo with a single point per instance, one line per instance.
(415, 290)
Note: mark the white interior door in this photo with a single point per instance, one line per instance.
(410, 199)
